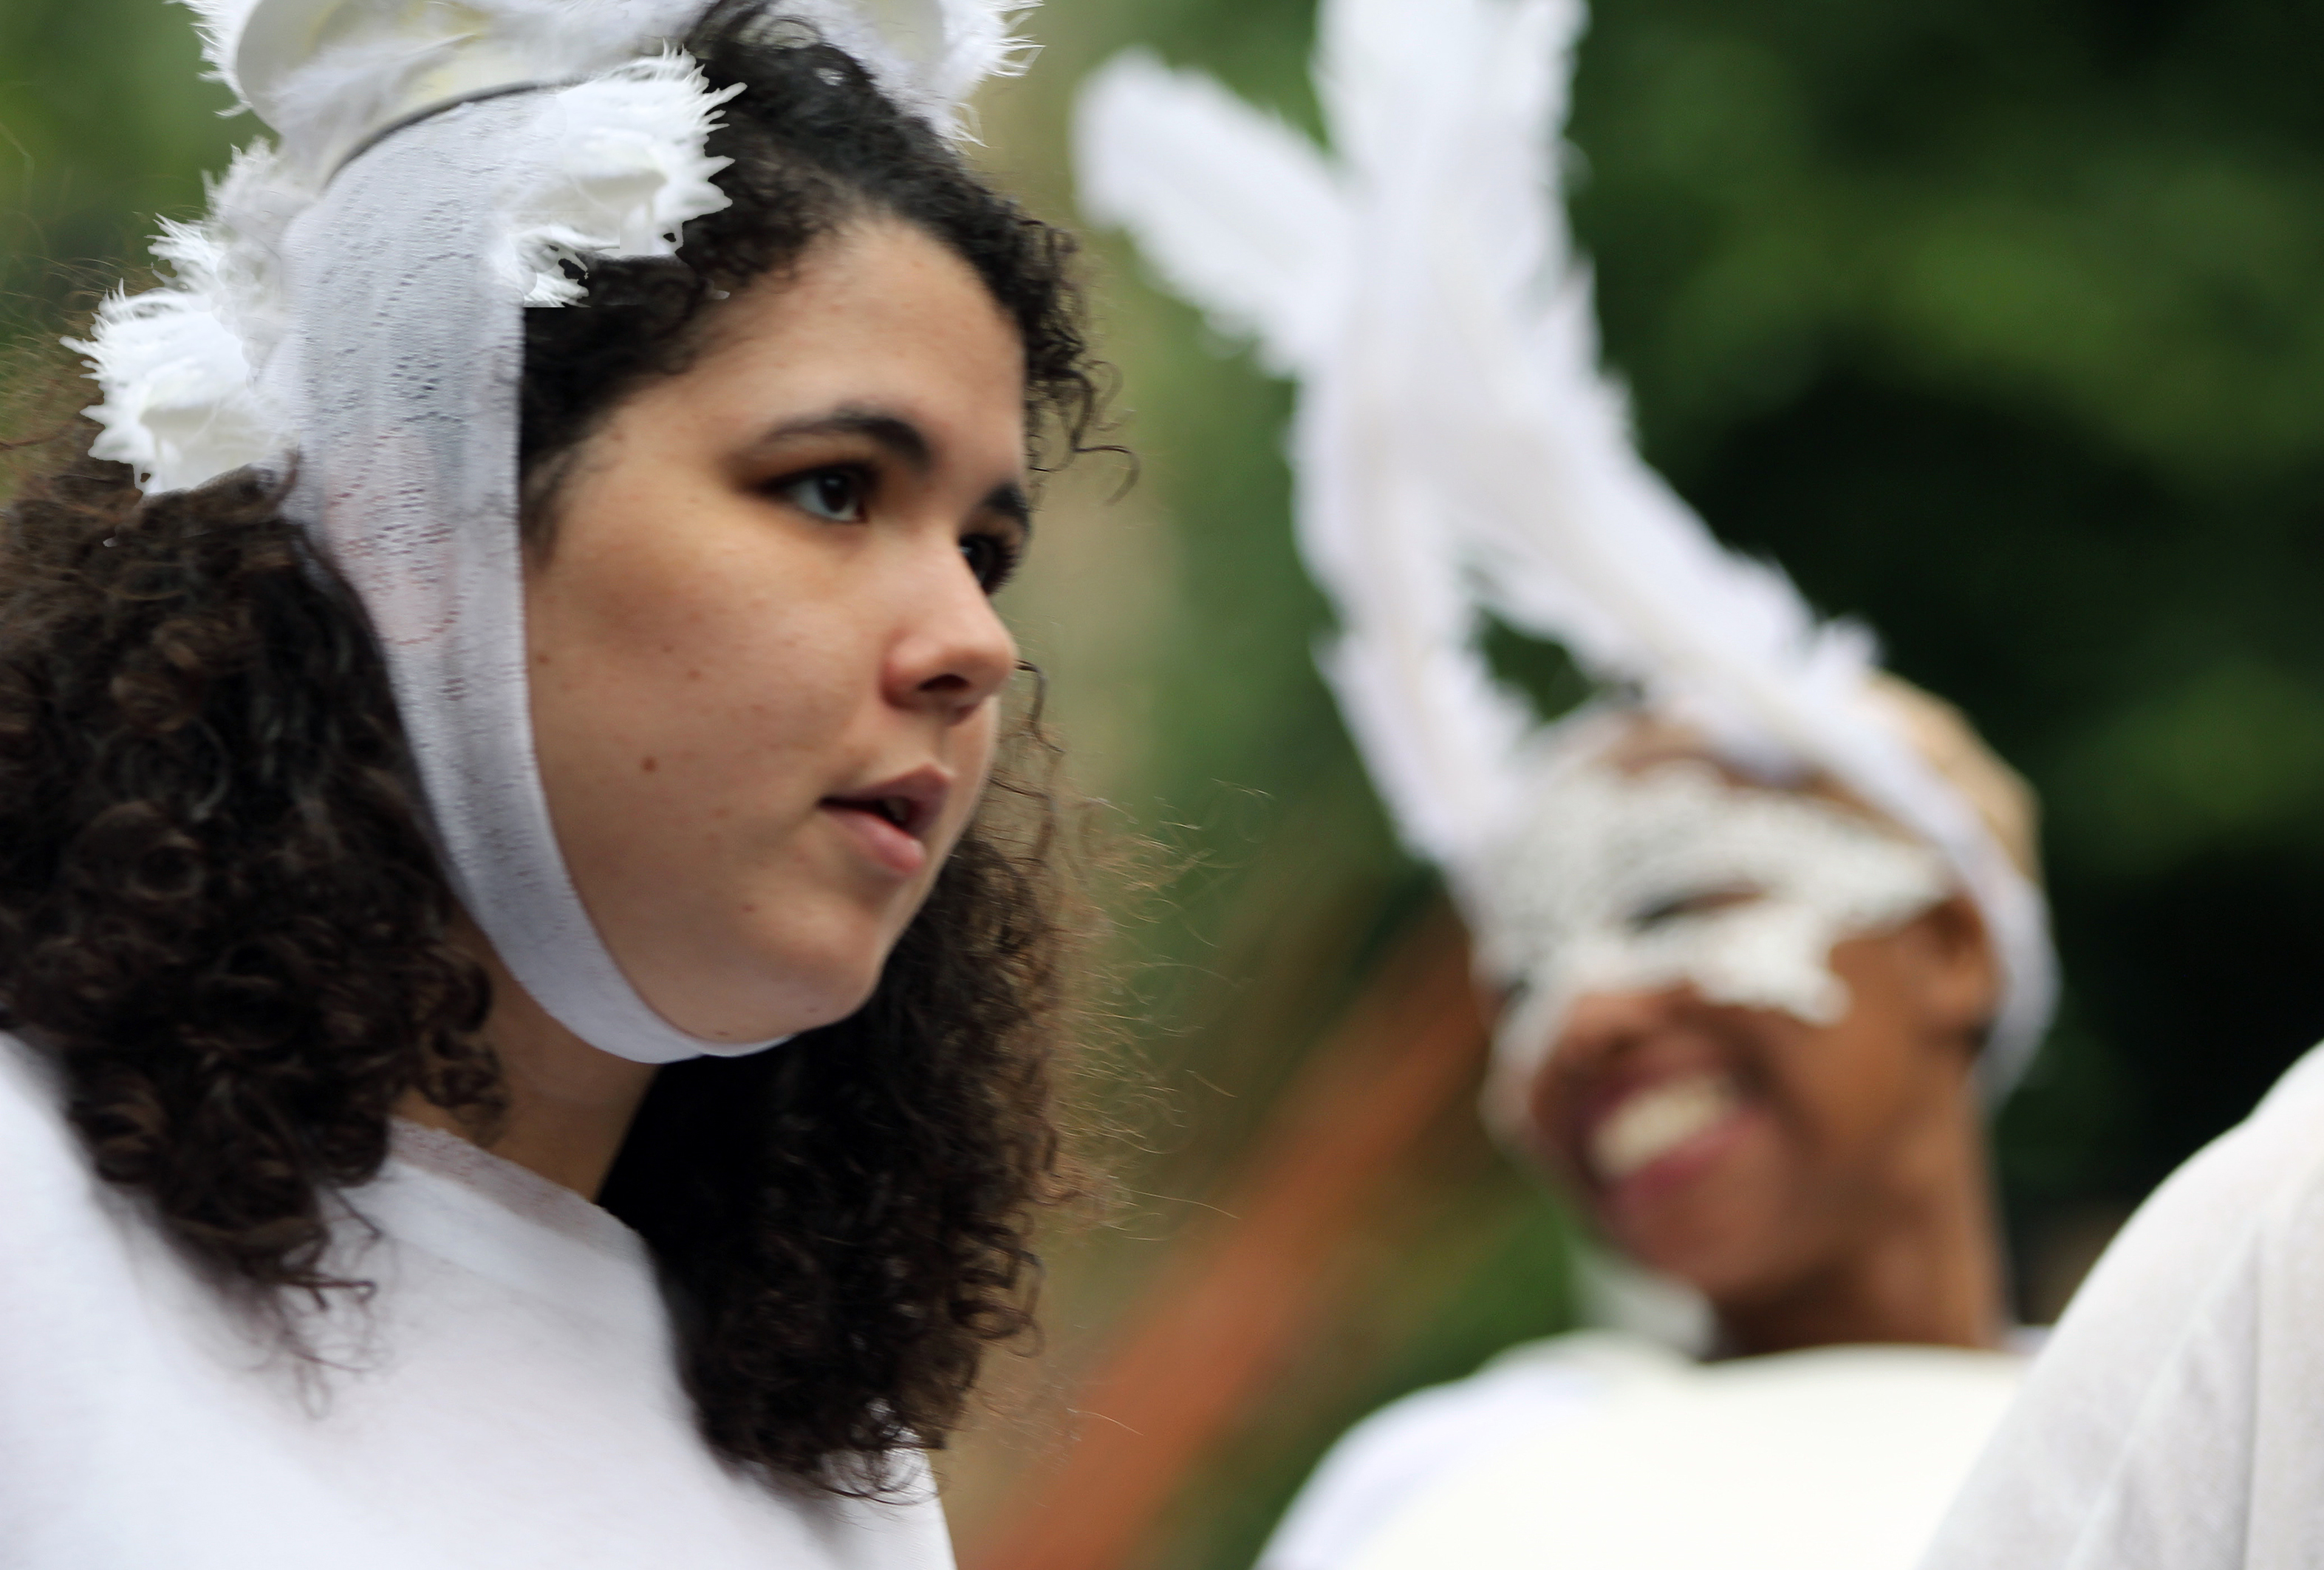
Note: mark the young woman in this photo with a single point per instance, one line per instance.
(529, 1032)
(1761, 923)
(1790, 1128)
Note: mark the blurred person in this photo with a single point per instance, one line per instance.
(499, 720)
(1815, 1169)
(1763, 922)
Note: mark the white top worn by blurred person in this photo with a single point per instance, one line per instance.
(1762, 921)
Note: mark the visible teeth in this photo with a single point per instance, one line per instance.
(1654, 1122)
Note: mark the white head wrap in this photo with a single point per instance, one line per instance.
(1458, 450)
(354, 301)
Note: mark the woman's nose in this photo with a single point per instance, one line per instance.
(1600, 1029)
(1598, 1025)
(953, 651)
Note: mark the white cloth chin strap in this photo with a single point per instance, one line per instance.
(402, 371)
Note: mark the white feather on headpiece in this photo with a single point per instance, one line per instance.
(1460, 449)
(312, 69)
(183, 367)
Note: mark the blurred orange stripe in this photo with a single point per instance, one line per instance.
(1243, 1289)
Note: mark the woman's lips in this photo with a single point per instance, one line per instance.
(891, 821)
(1661, 1134)
(885, 844)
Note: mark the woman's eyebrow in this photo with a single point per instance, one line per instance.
(902, 440)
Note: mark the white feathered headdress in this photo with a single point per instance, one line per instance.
(352, 310)
(1459, 449)
(183, 366)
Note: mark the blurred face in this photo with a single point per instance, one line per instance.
(1742, 1137)
(764, 659)
(1743, 1149)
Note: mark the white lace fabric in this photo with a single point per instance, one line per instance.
(402, 376)
(1675, 876)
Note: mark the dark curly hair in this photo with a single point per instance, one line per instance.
(220, 917)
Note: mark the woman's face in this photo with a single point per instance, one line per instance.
(1743, 1149)
(764, 659)
(1740, 1146)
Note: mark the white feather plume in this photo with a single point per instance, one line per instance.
(1573, 537)
(933, 54)
(631, 174)
(1459, 447)
(182, 367)
(179, 365)
(1235, 209)
(324, 73)
(1245, 216)
(180, 403)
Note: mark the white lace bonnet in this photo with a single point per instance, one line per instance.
(1459, 450)
(351, 310)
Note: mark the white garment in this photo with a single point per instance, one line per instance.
(2177, 1416)
(509, 1400)
(1606, 1452)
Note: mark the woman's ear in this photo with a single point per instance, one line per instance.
(1950, 970)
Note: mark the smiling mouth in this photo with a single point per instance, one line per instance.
(1657, 1121)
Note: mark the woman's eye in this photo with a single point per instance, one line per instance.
(991, 558)
(834, 495)
(1679, 907)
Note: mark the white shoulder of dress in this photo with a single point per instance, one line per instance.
(2187, 1375)
(445, 1197)
(70, 1273)
(44, 1172)
(518, 1190)
(1409, 1444)
(30, 1092)
(1835, 1458)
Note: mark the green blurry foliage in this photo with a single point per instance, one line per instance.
(106, 123)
